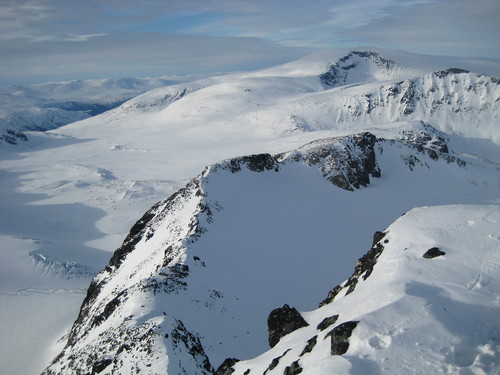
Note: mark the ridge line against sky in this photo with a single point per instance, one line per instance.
(55, 40)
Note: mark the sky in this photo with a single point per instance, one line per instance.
(59, 40)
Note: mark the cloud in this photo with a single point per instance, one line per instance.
(452, 27)
(137, 55)
(130, 37)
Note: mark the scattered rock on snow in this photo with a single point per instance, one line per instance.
(363, 268)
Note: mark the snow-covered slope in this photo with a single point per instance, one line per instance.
(423, 300)
(198, 274)
(69, 196)
(358, 90)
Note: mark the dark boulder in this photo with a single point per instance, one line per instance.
(101, 365)
(282, 321)
(311, 343)
(275, 362)
(432, 253)
(340, 337)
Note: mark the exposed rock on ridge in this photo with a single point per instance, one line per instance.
(363, 269)
(282, 321)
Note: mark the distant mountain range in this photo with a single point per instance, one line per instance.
(51, 105)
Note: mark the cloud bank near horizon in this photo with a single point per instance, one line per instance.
(43, 40)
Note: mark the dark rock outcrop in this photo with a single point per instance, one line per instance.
(185, 339)
(311, 343)
(226, 367)
(450, 71)
(347, 162)
(327, 322)
(293, 369)
(282, 321)
(255, 163)
(338, 72)
(275, 362)
(433, 253)
(340, 337)
(363, 269)
(13, 136)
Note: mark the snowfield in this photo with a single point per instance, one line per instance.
(343, 143)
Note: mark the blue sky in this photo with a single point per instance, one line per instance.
(54, 40)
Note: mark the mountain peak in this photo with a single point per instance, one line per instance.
(358, 67)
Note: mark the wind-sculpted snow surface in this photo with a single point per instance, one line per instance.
(198, 273)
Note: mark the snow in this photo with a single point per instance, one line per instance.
(69, 196)
(263, 224)
(433, 316)
(51, 105)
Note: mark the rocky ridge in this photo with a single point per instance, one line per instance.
(128, 323)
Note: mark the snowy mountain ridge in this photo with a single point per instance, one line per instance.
(161, 304)
(196, 279)
(361, 89)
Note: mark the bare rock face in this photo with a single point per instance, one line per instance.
(347, 162)
(11, 134)
(282, 321)
(340, 337)
(327, 322)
